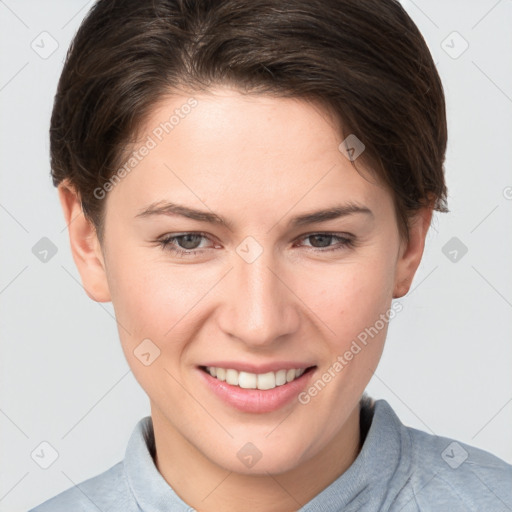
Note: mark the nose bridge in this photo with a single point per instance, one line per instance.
(259, 309)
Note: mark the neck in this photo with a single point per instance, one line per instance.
(208, 487)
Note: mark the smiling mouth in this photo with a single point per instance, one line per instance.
(261, 381)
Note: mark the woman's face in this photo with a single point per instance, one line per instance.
(262, 291)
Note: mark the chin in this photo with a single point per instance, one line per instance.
(251, 460)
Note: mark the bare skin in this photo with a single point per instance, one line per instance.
(258, 162)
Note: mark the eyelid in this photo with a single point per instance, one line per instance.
(346, 241)
(327, 233)
(348, 236)
(170, 236)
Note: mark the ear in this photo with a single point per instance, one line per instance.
(85, 245)
(411, 251)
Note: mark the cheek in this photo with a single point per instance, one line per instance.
(150, 298)
(353, 297)
(157, 300)
(154, 302)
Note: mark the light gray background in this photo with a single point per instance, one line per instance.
(446, 368)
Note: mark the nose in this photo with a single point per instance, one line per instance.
(259, 307)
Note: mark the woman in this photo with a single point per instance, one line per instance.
(251, 183)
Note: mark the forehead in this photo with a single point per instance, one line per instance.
(228, 149)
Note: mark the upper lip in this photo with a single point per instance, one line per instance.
(258, 368)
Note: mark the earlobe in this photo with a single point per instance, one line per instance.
(411, 251)
(85, 245)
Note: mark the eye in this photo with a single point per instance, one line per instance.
(321, 241)
(188, 242)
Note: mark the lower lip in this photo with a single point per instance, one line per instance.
(256, 400)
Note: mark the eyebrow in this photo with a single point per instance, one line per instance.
(173, 209)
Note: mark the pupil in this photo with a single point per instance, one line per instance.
(187, 239)
(327, 239)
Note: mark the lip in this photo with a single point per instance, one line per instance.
(256, 400)
(262, 368)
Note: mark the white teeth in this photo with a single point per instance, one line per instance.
(280, 377)
(261, 381)
(267, 380)
(247, 380)
(232, 377)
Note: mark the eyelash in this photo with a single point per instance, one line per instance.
(165, 243)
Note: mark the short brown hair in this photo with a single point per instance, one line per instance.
(365, 60)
